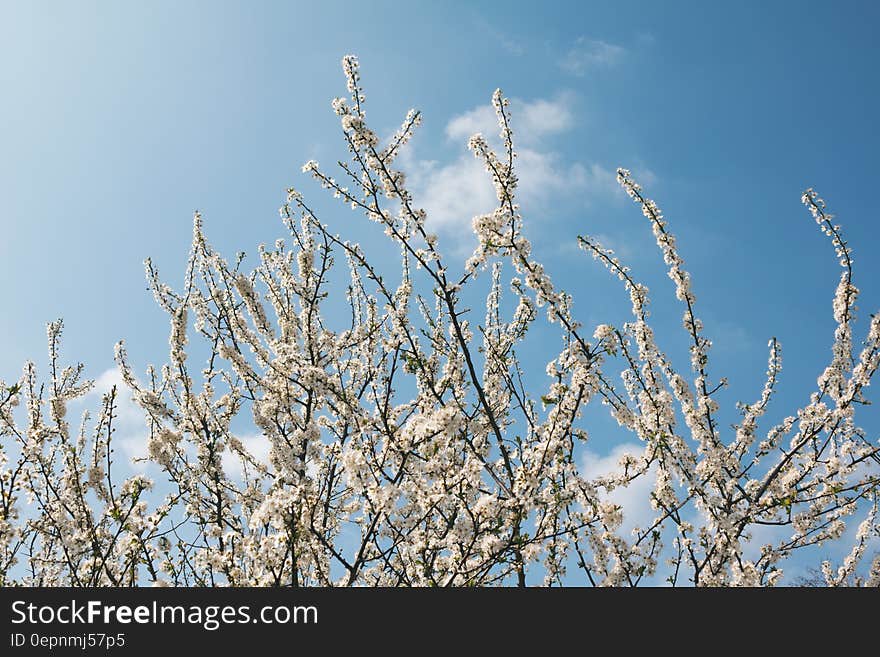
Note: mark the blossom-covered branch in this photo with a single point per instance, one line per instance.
(407, 442)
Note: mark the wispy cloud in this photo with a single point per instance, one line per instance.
(510, 44)
(622, 247)
(730, 337)
(587, 54)
(507, 43)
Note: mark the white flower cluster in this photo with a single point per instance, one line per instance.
(415, 445)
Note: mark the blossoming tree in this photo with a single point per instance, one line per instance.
(410, 447)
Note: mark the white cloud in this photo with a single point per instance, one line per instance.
(635, 499)
(131, 432)
(453, 192)
(543, 175)
(257, 445)
(480, 119)
(531, 120)
(546, 117)
(587, 54)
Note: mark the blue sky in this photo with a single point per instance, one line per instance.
(119, 119)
